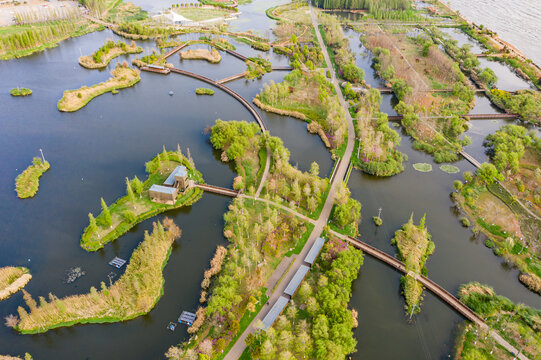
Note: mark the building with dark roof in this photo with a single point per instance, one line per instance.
(293, 285)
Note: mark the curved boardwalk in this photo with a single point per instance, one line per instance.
(243, 101)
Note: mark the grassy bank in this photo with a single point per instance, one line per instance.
(27, 183)
(12, 279)
(134, 294)
(136, 206)
(518, 324)
(20, 92)
(317, 323)
(414, 247)
(123, 77)
(110, 50)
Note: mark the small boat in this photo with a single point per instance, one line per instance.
(171, 93)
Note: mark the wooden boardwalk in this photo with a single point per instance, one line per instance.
(218, 190)
(175, 50)
(436, 289)
(243, 101)
(232, 77)
(236, 54)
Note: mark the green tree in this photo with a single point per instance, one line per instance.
(106, 214)
(401, 88)
(137, 186)
(92, 226)
(353, 73)
(129, 192)
(488, 77)
(488, 174)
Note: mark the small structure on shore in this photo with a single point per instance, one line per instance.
(167, 193)
(187, 318)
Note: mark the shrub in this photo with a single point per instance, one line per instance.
(465, 221)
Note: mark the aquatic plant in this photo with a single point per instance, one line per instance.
(422, 167)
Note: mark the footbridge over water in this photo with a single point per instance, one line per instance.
(243, 101)
(436, 289)
(218, 190)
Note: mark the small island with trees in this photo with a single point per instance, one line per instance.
(123, 77)
(110, 50)
(414, 246)
(134, 294)
(27, 183)
(117, 219)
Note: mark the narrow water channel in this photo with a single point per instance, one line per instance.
(459, 257)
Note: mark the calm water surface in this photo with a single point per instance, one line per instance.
(91, 151)
(516, 22)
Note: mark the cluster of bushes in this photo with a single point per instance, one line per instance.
(320, 326)
(257, 67)
(443, 145)
(20, 92)
(346, 213)
(310, 56)
(140, 31)
(343, 58)
(377, 153)
(518, 324)
(524, 103)
(507, 146)
(104, 50)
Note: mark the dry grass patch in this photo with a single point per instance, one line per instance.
(493, 211)
(134, 294)
(123, 77)
(12, 279)
(212, 56)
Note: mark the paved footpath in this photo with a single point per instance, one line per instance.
(237, 349)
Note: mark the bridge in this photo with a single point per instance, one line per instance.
(282, 68)
(175, 50)
(236, 54)
(436, 289)
(243, 101)
(232, 77)
(218, 190)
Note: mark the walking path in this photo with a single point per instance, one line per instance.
(237, 349)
